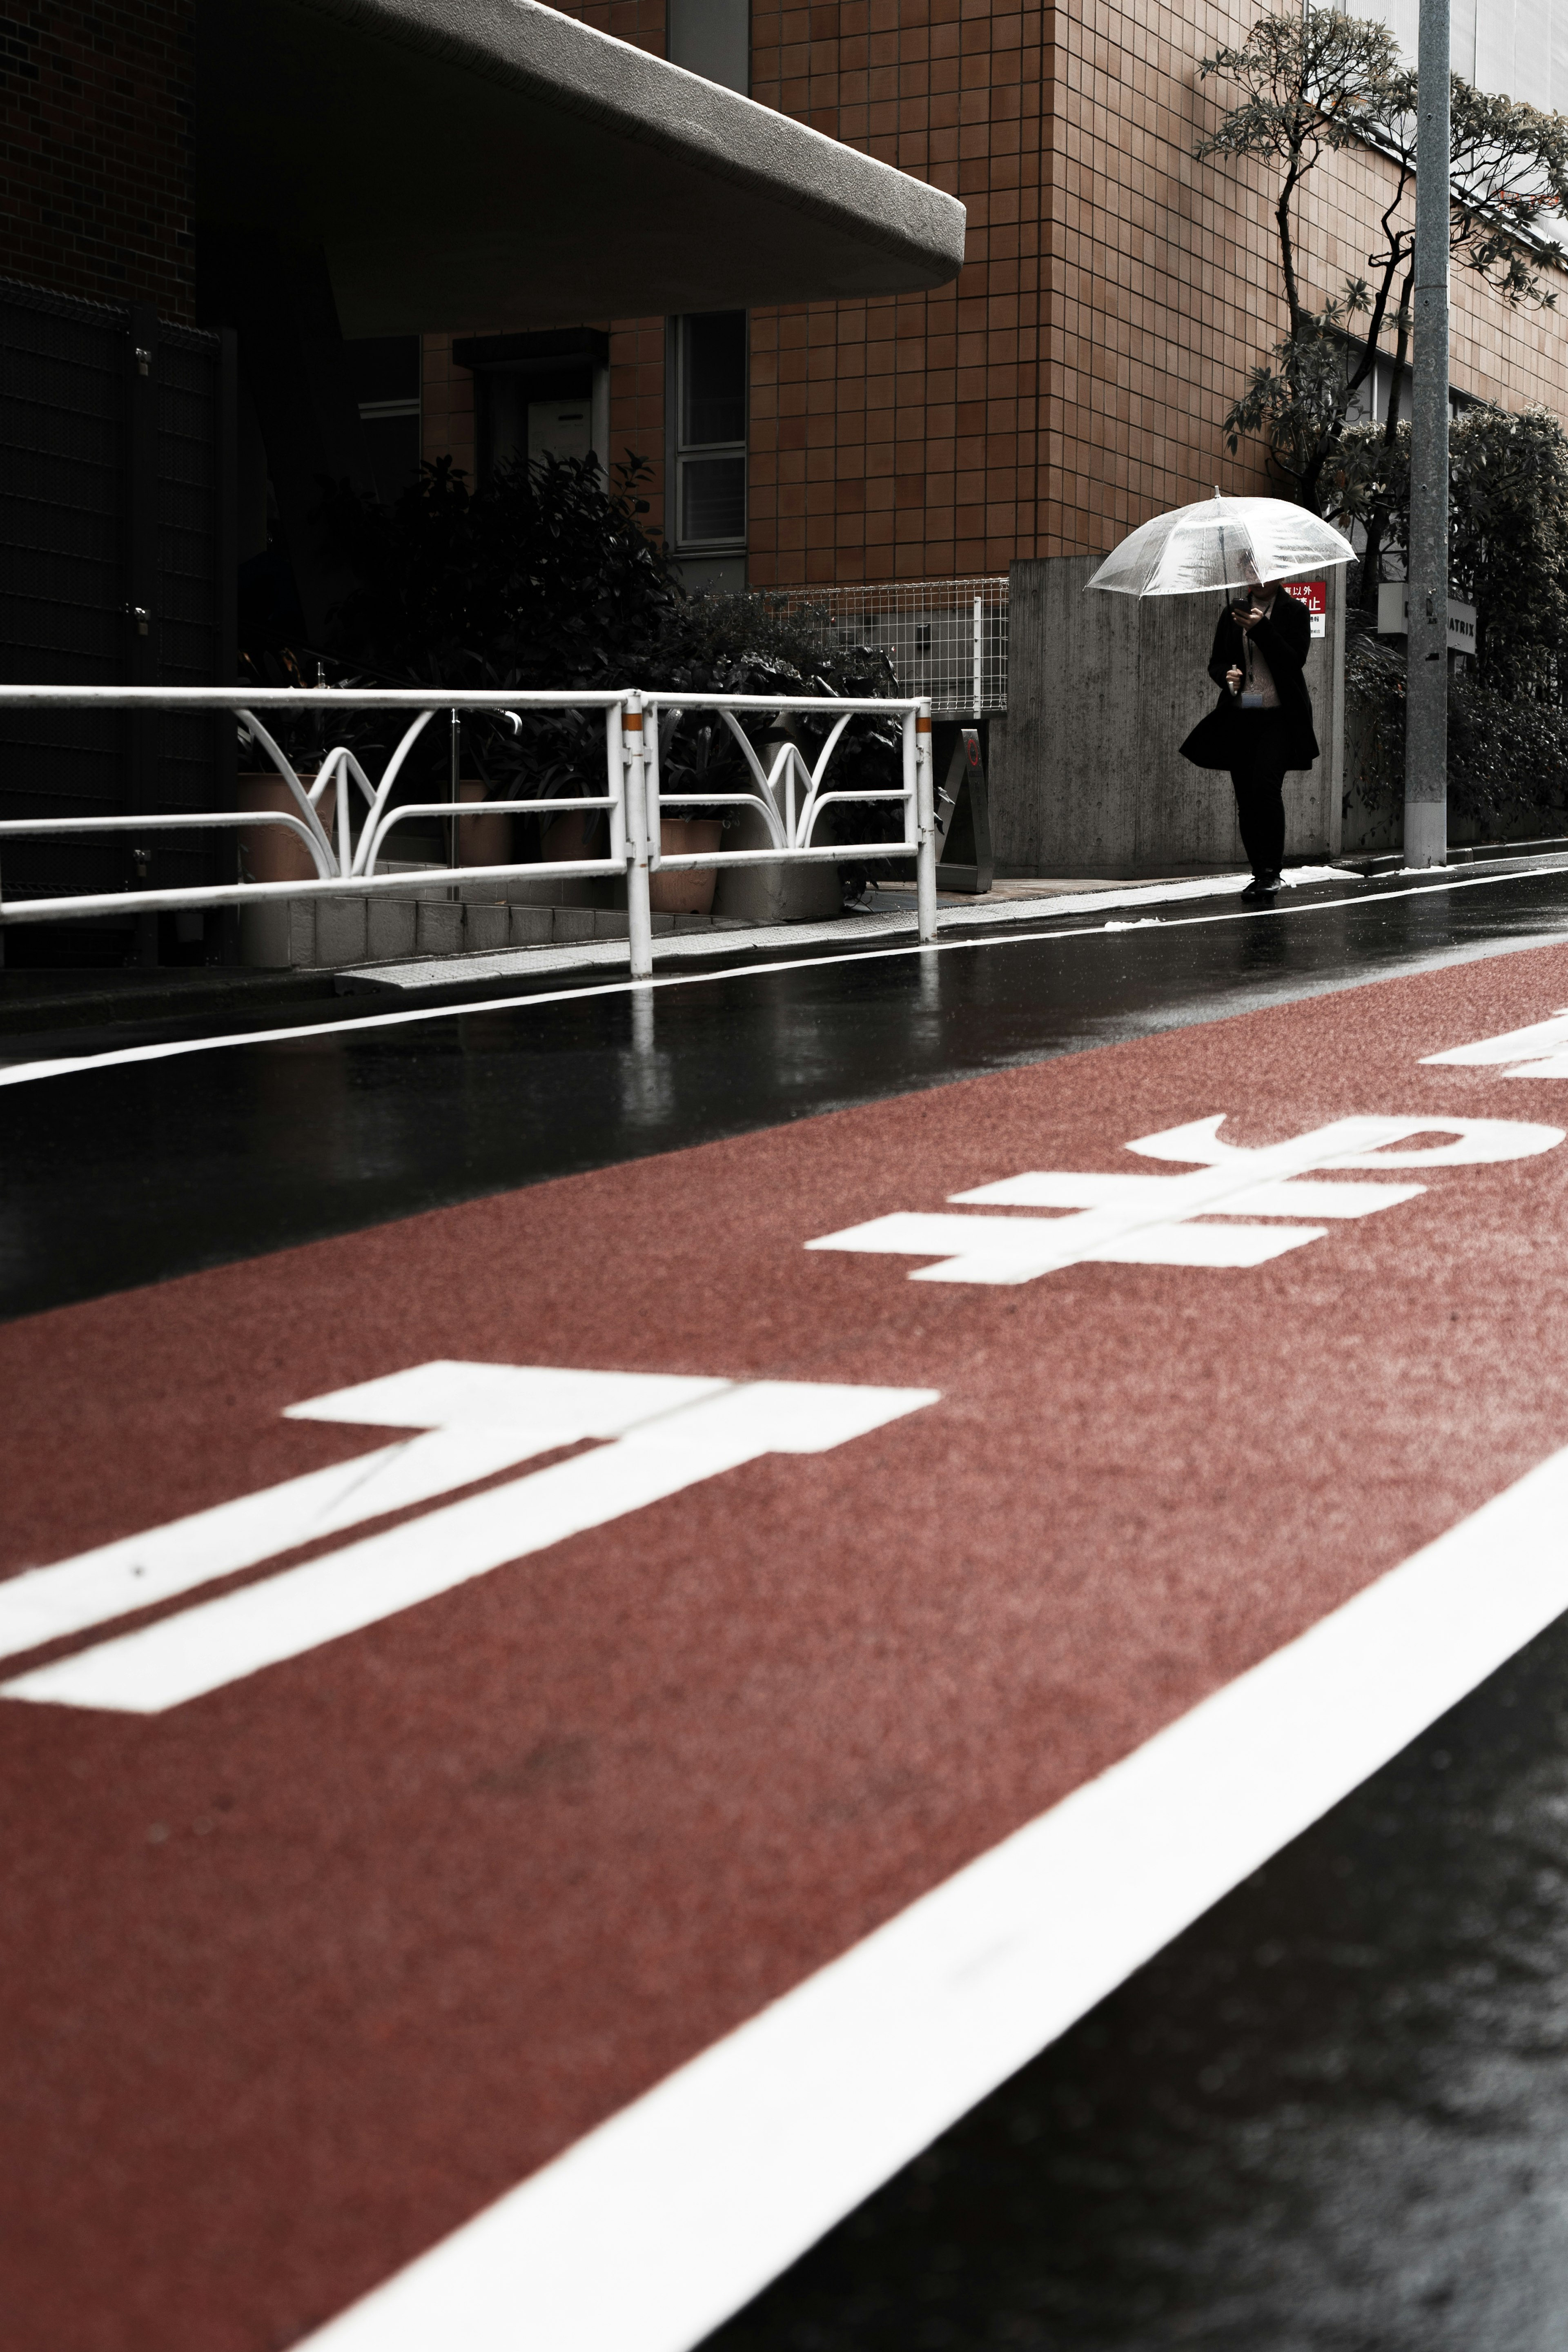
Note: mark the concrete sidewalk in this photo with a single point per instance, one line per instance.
(893, 916)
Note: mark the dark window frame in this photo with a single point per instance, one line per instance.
(685, 452)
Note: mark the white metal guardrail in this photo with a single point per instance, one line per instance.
(791, 793)
(946, 639)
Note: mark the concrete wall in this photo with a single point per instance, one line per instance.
(1085, 777)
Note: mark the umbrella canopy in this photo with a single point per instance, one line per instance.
(1221, 543)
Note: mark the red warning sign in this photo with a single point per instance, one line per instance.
(1314, 595)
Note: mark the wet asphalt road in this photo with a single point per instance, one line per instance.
(1333, 2116)
(135, 1174)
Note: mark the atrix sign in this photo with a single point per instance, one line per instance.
(1394, 617)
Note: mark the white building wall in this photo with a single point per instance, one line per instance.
(1519, 47)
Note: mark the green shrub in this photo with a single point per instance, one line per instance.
(1508, 754)
(543, 576)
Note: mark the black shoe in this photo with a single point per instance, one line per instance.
(1259, 891)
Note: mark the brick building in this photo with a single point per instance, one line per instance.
(1114, 297)
(1073, 381)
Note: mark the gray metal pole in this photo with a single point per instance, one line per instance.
(639, 918)
(916, 743)
(1427, 646)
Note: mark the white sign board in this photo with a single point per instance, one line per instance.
(1394, 616)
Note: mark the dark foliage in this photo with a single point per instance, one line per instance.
(1508, 754)
(543, 577)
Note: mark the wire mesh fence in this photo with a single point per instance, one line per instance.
(946, 638)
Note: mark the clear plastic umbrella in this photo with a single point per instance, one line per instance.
(1221, 543)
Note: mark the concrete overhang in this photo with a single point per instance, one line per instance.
(495, 163)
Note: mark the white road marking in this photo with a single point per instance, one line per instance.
(1125, 1220)
(1539, 1051)
(1020, 1249)
(22, 1073)
(656, 2227)
(1062, 1189)
(481, 1418)
(666, 1442)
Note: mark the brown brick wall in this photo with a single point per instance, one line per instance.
(1115, 295)
(899, 439)
(1160, 276)
(96, 185)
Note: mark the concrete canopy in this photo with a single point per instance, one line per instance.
(494, 161)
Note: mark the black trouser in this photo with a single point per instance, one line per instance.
(1259, 777)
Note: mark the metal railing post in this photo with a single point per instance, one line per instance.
(918, 738)
(454, 763)
(639, 916)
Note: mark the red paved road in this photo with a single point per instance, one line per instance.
(302, 1973)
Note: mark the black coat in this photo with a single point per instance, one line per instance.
(1283, 640)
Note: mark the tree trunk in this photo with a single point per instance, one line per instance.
(1377, 522)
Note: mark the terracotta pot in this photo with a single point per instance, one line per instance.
(270, 853)
(689, 891)
(562, 836)
(482, 840)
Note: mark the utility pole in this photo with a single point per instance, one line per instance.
(1427, 641)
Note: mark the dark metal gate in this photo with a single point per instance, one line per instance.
(116, 568)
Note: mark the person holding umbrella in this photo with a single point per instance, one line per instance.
(1261, 727)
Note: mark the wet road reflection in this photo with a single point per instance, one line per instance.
(135, 1174)
(1331, 2118)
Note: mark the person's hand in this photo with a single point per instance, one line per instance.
(1233, 680)
(1248, 621)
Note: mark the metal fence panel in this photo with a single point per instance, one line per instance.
(947, 639)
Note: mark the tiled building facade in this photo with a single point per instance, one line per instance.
(1116, 293)
(97, 183)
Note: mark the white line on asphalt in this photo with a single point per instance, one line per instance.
(656, 2227)
(21, 1074)
(475, 1421)
(662, 1454)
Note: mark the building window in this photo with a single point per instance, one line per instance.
(710, 431)
(537, 396)
(712, 37)
(385, 371)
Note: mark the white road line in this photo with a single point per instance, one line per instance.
(182, 1657)
(659, 2224)
(1539, 1051)
(478, 1419)
(22, 1073)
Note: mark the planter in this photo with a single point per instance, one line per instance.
(277, 933)
(271, 853)
(564, 839)
(691, 892)
(767, 893)
(482, 840)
